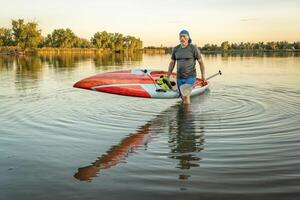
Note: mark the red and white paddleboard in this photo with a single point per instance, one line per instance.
(136, 83)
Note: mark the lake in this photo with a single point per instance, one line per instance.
(239, 140)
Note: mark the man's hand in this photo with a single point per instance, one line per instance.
(203, 79)
(169, 74)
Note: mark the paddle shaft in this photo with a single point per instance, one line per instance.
(216, 74)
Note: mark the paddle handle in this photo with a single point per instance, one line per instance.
(216, 74)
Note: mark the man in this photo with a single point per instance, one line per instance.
(186, 55)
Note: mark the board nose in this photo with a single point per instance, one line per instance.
(85, 84)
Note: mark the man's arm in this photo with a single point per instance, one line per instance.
(202, 68)
(171, 67)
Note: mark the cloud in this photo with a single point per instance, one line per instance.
(248, 19)
(175, 22)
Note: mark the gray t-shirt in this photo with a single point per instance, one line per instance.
(186, 60)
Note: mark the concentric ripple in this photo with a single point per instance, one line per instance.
(246, 141)
(239, 140)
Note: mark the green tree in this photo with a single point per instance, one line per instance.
(6, 37)
(225, 46)
(259, 46)
(64, 38)
(296, 45)
(26, 35)
(101, 40)
(133, 43)
(82, 43)
(115, 41)
(271, 46)
(282, 45)
(118, 41)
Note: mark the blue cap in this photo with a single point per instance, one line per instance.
(186, 33)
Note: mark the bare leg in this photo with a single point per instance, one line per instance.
(186, 100)
(183, 100)
(187, 107)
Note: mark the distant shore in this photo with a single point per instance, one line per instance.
(64, 40)
(18, 51)
(249, 51)
(49, 50)
(25, 38)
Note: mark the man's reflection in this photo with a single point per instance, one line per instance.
(185, 140)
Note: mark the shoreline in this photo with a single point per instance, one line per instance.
(14, 51)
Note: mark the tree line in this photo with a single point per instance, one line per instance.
(247, 46)
(28, 35)
(240, 47)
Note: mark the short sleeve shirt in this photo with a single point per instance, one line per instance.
(186, 60)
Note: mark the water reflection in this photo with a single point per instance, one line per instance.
(63, 60)
(116, 153)
(28, 70)
(6, 63)
(186, 137)
(116, 59)
(250, 123)
(104, 61)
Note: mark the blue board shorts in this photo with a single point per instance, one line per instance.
(190, 81)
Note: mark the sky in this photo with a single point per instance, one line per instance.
(158, 22)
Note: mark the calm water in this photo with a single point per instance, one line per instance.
(239, 140)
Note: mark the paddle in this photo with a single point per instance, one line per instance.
(216, 74)
(187, 89)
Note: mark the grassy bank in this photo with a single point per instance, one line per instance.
(12, 50)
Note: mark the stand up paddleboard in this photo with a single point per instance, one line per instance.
(136, 83)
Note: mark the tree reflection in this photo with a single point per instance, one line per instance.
(116, 59)
(28, 70)
(6, 63)
(63, 60)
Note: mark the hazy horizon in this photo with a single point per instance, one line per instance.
(158, 22)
